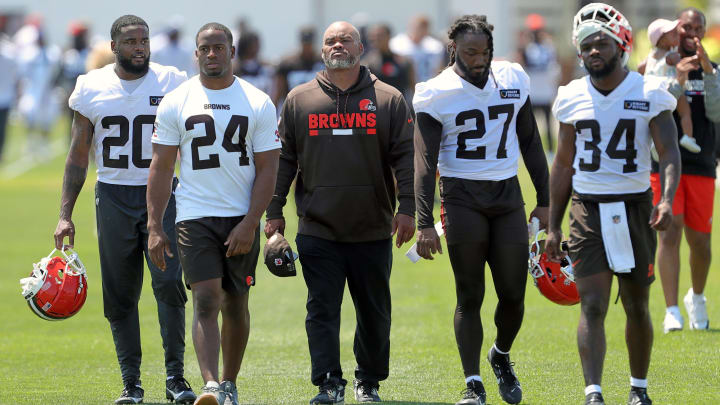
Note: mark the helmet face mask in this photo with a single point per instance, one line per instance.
(555, 281)
(57, 286)
(596, 17)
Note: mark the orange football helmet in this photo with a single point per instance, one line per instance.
(57, 286)
(554, 280)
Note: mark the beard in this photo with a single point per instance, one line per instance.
(604, 70)
(474, 78)
(345, 62)
(128, 66)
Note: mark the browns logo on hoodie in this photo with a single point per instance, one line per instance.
(345, 147)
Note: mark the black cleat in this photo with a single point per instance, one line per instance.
(178, 390)
(132, 393)
(508, 383)
(366, 391)
(331, 391)
(639, 396)
(594, 398)
(474, 394)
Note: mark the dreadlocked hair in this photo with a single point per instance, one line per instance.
(470, 23)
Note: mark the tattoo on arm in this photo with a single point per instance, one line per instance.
(72, 185)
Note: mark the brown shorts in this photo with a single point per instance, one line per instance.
(587, 251)
(202, 253)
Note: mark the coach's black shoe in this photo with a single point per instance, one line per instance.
(178, 390)
(594, 398)
(132, 394)
(331, 391)
(474, 394)
(366, 391)
(639, 396)
(508, 383)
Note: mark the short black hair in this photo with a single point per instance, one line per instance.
(470, 23)
(215, 26)
(247, 39)
(694, 10)
(126, 21)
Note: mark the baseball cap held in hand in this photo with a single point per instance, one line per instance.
(279, 257)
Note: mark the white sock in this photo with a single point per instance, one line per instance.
(673, 309)
(473, 377)
(638, 382)
(498, 350)
(592, 388)
(211, 384)
(698, 297)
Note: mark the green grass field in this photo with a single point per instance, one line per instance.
(73, 361)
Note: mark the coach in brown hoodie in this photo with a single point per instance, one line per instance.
(345, 134)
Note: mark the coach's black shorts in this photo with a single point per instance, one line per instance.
(587, 250)
(202, 253)
(471, 208)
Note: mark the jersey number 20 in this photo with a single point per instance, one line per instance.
(237, 123)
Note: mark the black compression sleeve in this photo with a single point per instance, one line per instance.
(428, 133)
(532, 153)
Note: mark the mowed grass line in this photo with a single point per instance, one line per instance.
(73, 361)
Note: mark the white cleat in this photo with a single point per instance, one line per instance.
(673, 320)
(697, 312)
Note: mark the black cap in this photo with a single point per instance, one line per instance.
(279, 257)
(307, 34)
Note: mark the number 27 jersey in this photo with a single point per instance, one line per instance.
(123, 122)
(612, 135)
(479, 141)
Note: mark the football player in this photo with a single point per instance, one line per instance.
(473, 121)
(114, 111)
(226, 132)
(608, 120)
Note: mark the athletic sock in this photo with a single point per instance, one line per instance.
(592, 388)
(211, 384)
(498, 350)
(638, 382)
(473, 377)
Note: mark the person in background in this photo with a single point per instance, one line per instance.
(8, 86)
(538, 57)
(390, 68)
(248, 66)
(426, 53)
(73, 61)
(170, 50)
(297, 68)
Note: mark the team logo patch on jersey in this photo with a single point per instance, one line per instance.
(637, 105)
(616, 219)
(366, 105)
(155, 100)
(510, 93)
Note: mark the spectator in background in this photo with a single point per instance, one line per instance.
(8, 86)
(426, 53)
(39, 65)
(538, 57)
(297, 68)
(248, 65)
(73, 61)
(100, 55)
(169, 50)
(390, 68)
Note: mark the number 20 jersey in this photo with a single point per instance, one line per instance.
(218, 133)
(612, 144)
(479, 141)
(123, 122)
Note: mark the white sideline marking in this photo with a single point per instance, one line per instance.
(30, 161)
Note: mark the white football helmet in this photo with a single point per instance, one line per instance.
(602, 17)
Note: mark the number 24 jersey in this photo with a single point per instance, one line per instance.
(218, 133)
(479, 141)
(612, 144)
(123, 122)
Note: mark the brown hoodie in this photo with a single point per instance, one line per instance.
(345, 147)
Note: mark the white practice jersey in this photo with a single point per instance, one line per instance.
(123, 121)
(479, 141)
(612, 132)
(218, 132)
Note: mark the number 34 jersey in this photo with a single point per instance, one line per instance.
(479, 141)
(218, 132)
(123, 122)
(612, 144)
